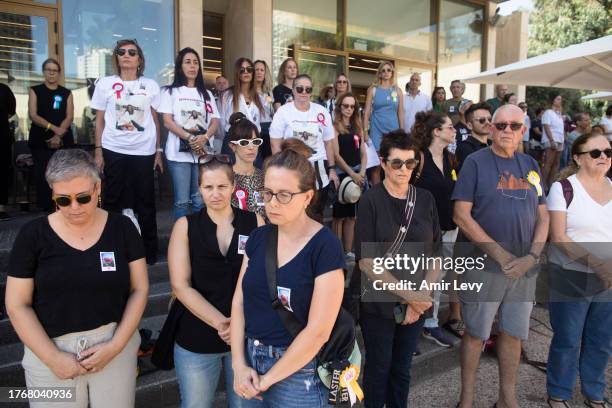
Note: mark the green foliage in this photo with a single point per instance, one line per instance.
(560, 23)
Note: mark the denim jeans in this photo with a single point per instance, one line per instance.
(301, 389)
(581, 343)
(388, 358)
(186, 190)
(448, 239)
(198, 375)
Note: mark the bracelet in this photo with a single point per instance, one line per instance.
(535, 257)
(48, 125)
(160, 150)
(331, 167)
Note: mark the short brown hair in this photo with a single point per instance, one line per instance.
(294, 156)
(141, 65)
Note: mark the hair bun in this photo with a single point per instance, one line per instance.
(296, 146)
(235, 118)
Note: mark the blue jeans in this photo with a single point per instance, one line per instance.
(198, 375)
(301, 389)
(186, 190)
(388, 358)
(582, 342)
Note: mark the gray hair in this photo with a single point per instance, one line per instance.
(70, 163)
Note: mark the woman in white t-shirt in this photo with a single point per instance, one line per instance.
(127, 140)
(191, 116)
(580, 275)
(553, 136)
(310, 123)
(242, 97)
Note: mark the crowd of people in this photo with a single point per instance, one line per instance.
(258, 279)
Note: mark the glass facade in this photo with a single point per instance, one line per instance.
(91, 29)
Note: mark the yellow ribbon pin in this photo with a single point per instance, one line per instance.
(453, 175)
(534, 179)
(348, 380)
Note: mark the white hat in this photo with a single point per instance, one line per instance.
(349, 192)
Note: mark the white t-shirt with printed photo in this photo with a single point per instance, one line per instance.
(191, 112)
(557, 127)
(128, 124)
(251, 111)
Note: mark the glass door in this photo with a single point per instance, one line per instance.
(28, 36)
(322, 66)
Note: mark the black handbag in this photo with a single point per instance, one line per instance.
(341, 350)
(163, 353)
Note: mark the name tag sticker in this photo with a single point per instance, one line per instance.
(284, 295)
(242, 241)
(107, 261)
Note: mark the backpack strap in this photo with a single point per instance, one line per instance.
(568, 191)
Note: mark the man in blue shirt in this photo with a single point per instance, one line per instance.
(500, 207)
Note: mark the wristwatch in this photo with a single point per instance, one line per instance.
(535, 257)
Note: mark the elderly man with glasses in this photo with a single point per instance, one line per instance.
(500, 208)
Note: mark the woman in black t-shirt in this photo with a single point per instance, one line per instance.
(283, 92)
(351, 161)
(51, 111)
(204, 258)
(76, 290)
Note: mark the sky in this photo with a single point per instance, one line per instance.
(509, 6)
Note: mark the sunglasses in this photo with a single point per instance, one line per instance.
(121, 52)
(596, 153)
(303, 90)
(247, 142)
(514, 126)
(340, 81)
(283, 197)
(347, 106)
(221, 158)
(397, 164)
(66, 200)
(482, 121)
(244, 70)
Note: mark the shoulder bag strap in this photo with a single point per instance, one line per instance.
(289, 321)
(568, 191)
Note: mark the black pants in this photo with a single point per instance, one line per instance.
(129, 182)
(388, 358)
(41, 158)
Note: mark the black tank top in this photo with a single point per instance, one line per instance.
(349, 144)
(213, 275)
(51, 104)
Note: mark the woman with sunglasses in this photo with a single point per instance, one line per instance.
(351, 161)
(438, 97)
(283, 91)
(384, 110)
(51, 110)
(128, 153)
(580, 275)
(310, 123)
(391, 330)
(272, 365)
(437, 173)
(191, 117)
(245, 142)
(76, 290)
(263, 85)
(241, 97)
(204, 258)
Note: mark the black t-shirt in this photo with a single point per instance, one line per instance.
(463, 132)
(441, 185)
(51, 104)
(282, 94)
(467, 147)
(213, 275)
(348, 145)
(7, 108)
(77, 290)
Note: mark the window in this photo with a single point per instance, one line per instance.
(212, 47)
(91, 30)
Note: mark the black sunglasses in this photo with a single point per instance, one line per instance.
(303, 90)
(347, 106)
(514, 126)
(596, 153)
(221, 158)
(66, 200)
(121, 52)
(482, 121)
(397, 164)
(246, 69)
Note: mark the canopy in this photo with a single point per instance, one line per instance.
(581, 66)
(603, 96)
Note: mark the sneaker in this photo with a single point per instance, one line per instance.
(437, 335)
(457, 327)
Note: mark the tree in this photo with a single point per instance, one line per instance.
(557, 24)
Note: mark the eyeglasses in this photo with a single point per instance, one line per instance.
(397, 164)
(247, 142)
(303, 90)
(482, 121)
(244, 70)
(65, 200)
(283, 197)
(347, 106)
(221, 158)
(514, 126)
(596, 153)
(121, 52)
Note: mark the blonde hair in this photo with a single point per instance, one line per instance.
(266, 86)
(280, 79)
(383, 63)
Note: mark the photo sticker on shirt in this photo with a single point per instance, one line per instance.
(107, 261)
(242, 241)
(258, 199)
(284, 295)
(194, 116)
